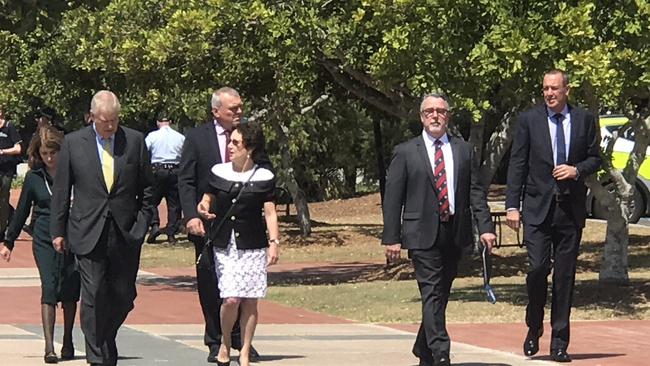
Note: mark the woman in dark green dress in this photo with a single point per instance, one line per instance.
(59, 278)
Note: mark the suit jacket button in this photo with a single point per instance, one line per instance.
(236, 235)
(232, 218)
(234, 200)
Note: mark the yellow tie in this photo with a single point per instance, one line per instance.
(107, 163)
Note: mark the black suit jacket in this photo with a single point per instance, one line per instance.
(129, 202)
(410, 205)
(200, 153)
(530, 177)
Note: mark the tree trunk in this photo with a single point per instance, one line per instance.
(298, 195)
(496, 148)
(379, 153)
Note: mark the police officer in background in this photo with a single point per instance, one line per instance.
(165, 145)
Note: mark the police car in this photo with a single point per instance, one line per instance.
(621, 152)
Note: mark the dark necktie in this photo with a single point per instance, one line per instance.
(227, 155)
(441, 182)
(559, 139)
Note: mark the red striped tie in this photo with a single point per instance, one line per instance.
(441, 183)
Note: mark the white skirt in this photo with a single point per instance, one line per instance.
(240, 273)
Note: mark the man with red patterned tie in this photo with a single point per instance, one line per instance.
(430, 188)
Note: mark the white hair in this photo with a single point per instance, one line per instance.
(216, 96)
(105, 100)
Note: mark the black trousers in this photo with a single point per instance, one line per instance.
(166, 186)
(108, 275)
(206, 282)
(435, 270)
(552, 245)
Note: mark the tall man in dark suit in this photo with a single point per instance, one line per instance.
(205, 146)
(555, 147)
(430, 188)
(101, 207)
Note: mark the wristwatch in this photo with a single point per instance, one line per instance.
(274, 241)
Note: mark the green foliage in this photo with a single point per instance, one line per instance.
(371, 58)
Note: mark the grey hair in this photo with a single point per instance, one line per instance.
(105, 100)
(216, 96)
(434, 95)
(565, 76)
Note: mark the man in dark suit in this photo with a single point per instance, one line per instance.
(430, 188)
(205, 146)
(555, 147)
(101, 207)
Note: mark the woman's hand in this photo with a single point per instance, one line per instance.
(5, 252)
(203, 208)
(272, 254)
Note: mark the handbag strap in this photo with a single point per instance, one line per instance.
(212, 229)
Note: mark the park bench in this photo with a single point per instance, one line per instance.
(498, 218)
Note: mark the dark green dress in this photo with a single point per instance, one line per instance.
(59, 277)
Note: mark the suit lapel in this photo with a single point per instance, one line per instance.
(90, 146)
(213, 140)
(576, 115)
(422, 152)
(545, 133)
(119, 155)
(455, 152)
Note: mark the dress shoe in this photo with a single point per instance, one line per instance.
(67, 353)
(441, 360)
(560, 355)
(212, 356)
(171, 239)
(153, 234)
(531, 344)
(50, 357)
(253, 355)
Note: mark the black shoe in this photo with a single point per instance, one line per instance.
(560, 355)
(441, 360)
(50, 357)
(153, 234)
(171, 239)
(212, 356)
(531, 344)
(253, 355)
(67, 353)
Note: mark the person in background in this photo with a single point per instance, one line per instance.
(59, 277)
(165, 146)
(239, 190)
(556, 145)
(10, 151)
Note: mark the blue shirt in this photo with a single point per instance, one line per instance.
(566, 126)
(100, 144)
(165, 145)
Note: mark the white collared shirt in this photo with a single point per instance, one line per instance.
(566, 126)
(429, 142)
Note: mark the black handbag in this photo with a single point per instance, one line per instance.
(205, 257)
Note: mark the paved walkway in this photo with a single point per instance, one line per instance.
(165, 329)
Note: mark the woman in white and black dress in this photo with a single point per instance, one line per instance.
(242, 250)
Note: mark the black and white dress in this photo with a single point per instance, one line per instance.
(241, 243)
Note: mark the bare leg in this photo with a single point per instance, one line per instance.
(229, 310)
(69, 313)
(48, 316)
(248, 322)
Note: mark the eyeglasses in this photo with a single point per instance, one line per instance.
(440, 111)
(236, 143)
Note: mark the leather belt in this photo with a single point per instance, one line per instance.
(165, 165)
